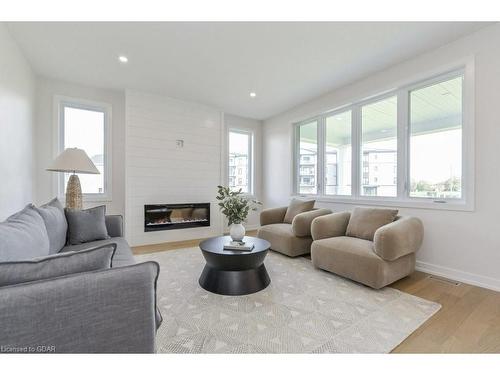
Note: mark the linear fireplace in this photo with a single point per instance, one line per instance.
(176, 216)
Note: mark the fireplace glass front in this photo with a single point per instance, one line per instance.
(176, 216)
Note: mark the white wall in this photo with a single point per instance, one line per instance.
(158, 171)
(254, 126)
(46, 118)
(461, 245)
(17, 84)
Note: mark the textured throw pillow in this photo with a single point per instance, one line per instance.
(86, 225)
(23, 236)
(365, 221)
(296, 207)
(57, 265)
(52, 214)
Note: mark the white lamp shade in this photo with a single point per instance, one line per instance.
(73, 160)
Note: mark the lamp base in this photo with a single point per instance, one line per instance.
(74, 193)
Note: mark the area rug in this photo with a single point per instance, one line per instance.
(303, 310)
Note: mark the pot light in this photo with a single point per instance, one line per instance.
(123, 59)
(253, 95)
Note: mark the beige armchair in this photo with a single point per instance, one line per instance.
(388, 257)
(292, 239)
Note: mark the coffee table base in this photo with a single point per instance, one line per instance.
(234, 283)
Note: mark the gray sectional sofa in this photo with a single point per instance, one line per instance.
(106, 309)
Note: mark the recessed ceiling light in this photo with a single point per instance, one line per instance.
(123, 59)
(253, 95)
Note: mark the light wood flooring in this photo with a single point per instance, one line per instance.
(468, 322)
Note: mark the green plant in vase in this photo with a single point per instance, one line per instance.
(235, 206)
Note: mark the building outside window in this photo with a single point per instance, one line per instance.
(338, 154)
(308, 150)
(240, 161)
(379, 147)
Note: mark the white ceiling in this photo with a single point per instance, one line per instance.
(221, 63)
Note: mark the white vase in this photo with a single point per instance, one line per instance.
(237, 232)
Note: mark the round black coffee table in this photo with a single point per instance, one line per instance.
(234, 272)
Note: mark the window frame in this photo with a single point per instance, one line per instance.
(251, 168)
(403, 198)
(430, 82)
(296, 159)
(322, 147)
(359, 143)
(60, 103)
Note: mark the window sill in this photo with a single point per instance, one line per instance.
(249, 196)
(91, 198)
(393, 202)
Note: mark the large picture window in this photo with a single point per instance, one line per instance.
(86, 126)
(338, 154)
(436, 140)
(405, 145)
(308, 158)
(379, 147)
(240, 161)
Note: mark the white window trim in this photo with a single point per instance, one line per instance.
(466, 203)
(58, 141)
(251, 165)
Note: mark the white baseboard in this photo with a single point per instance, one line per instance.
(457, 275)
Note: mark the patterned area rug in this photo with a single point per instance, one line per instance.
(303, 310)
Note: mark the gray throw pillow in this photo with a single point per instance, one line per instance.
(296, 207)
(53, 215)
(23, 236)
(365, 221)
(57, 265)
(86, 225)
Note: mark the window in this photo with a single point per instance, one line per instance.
(435, 126)
(240, 161)
(87, 126)
(379, 147)
(338, 154)
(408, 145)
(308, 163)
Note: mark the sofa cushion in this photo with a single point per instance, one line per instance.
(297, 206)
(114, 225)
(365, 221)
(54, 218)
(56, 265)
(23, 236)
(86, 225)
(283, 240)
(354, 258)
(123, 254)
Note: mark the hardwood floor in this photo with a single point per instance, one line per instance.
(174, 245)
(468, 322)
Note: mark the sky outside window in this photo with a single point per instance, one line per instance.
(85, 129)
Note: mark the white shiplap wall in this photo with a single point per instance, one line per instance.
(158, 171)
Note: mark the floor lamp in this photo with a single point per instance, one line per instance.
(73, 160)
